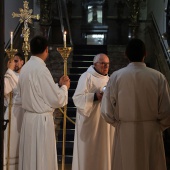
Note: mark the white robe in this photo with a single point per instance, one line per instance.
(93, 136)
(40, 96)
(10, 85)
(137, 102)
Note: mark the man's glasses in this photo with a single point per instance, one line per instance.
(103, 63)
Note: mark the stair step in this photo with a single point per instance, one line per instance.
(71, 115)
(71, 112)
(68, 152)
(74, 77)
(90, 49)
(68, 159)
(70, 97)
(79, 70)
(69, 136)
(82, 63)
(69, 124)
(70, 103)
(69, 144)
(73, 84)
(71, 93)
(72, 109)
(84, 58)
(68, 147)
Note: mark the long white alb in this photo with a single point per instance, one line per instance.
(10, 86)
(137, 102)
(93, 136)
(40, 96)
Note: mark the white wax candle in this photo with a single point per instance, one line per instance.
(64, 38)
(11, 38)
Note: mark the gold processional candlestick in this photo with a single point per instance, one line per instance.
(65, 52)
(11, 53)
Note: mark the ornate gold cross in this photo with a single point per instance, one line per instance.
(25, 17)
(25, 14)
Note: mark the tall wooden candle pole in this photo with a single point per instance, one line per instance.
(65, 52)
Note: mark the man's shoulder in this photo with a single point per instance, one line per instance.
(121, 70)
(155, 72)
(34, 65)
(32, 68)
(10, 73)
(85, 74)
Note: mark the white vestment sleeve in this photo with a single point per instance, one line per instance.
(108, 104)
(10, 81)
(83, 97)
(164, 106)
(52, 94)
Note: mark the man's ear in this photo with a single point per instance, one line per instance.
(22, 62)
(145, 54)
(126, 57)
(46, 49)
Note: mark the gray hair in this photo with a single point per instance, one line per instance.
(97, 58)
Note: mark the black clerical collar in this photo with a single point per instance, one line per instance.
(99, 72)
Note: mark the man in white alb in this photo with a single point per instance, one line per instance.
(137, 102)
(40, 96)
(93, 136)
(11, 141)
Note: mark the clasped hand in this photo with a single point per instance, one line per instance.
(64, 80)
(99, 95)
(11, 64)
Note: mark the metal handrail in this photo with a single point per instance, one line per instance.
(63, 13)
(165, 50)
(68, 23)
(60, 15)
(18, 27)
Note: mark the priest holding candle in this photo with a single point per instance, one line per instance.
(40, 96)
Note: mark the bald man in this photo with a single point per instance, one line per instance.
(93, 136)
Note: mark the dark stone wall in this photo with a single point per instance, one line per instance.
(118, 60)
(115, 16)
(55, 63)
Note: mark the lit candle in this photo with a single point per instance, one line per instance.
(11, 38)
(64, 38)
